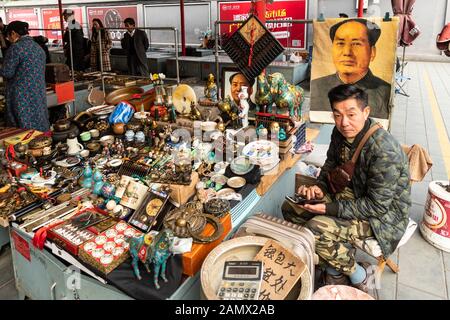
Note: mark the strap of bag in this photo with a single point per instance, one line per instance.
(364, 140)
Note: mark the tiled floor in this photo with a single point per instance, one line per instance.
(424, 269)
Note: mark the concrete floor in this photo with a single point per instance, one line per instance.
(424, 270)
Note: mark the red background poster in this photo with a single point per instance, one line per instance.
(28, 15)
(278, 10)
(50, 20)
(112, 17)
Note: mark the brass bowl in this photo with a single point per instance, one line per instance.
(236, 182)
(61, 125)
(122, 94)
(40, 142)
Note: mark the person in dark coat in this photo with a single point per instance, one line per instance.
(135, 43)
(42, 42)
(77, 35)
(4, 43)
(24, 70)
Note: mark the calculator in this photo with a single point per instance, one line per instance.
(241, 280)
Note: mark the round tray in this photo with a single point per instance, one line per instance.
(242, 248)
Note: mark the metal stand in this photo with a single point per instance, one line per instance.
(400, 78)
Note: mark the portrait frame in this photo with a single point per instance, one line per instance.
(380, 82)
(225, 87)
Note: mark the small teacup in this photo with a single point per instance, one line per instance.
(84, 153)
(85, 136)
(94, 133)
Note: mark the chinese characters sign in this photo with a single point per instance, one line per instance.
(113, 17)
(289, 34)
(28, 15)
(282, 270)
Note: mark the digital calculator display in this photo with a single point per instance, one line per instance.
(242, 270)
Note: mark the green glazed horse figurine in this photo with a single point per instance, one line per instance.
(151, 250)
(285, 95)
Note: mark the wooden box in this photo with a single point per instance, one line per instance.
(192, 261)
(181, 194)
(109, 249)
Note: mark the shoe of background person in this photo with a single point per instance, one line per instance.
(329, 279)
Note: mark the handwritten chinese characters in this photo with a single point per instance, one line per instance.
(282, 270)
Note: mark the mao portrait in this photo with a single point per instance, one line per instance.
(354, 49)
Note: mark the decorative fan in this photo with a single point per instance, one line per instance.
(183, 96)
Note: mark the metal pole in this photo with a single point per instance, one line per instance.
(360, 8)
(61, 20)
(176, 55)
(183, 32)
(100, 53)
(71, 64)
(216, 57)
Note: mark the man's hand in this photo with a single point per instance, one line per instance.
(313, 192)
(319, 208)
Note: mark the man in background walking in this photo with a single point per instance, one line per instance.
(135, 43)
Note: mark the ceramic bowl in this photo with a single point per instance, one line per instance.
(94, 133)
(85, 136)
(93, 146)
(241, 165)
(236, 182)
(107, 140)
(84, 153)
(219, 178)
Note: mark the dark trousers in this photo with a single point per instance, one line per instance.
(136, 68)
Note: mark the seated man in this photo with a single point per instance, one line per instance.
(376, 201)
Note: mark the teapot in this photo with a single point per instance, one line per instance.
(74, 146)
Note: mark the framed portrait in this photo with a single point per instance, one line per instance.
(239, 78)
(354, 51)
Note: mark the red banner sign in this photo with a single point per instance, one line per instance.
(22, 246)
(50, 20)
(28, 15)
(112, 17)
(289, 34)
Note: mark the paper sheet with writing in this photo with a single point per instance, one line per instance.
(282, 270)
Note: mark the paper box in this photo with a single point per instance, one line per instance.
(181, 193)
(23, 137)
(192, 261)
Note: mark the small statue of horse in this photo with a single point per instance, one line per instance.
(151, 250)
(285, 95)
(263, 96)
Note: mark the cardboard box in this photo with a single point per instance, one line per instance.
(23, 137)
(181, 193)
(192, 261)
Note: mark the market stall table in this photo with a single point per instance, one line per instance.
(44, 274)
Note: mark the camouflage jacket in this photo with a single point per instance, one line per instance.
(380, 185)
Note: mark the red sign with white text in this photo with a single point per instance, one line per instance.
(21, 245)
(28, 15)
(113, 17)
(50, 20)
(289, 34)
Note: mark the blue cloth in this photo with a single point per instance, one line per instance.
(333, 271)
(359, 275)
(24, 70)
